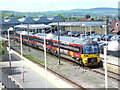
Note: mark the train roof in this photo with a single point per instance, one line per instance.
(66, 39)
(69, 39)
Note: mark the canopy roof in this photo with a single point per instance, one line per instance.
(32, 26)
(28, 20)
(2, 21)
(13, 21)
(79, 24)
(43, 20)
(57, 19)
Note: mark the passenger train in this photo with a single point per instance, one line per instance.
(86, 53)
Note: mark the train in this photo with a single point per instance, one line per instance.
(85, 52)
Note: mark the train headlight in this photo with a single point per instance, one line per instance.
(86, 55)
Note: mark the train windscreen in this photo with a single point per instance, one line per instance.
(90, 49)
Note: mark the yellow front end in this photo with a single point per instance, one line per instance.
(90, 59)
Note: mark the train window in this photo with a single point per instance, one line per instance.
(76, 49)
(30, 38)
(41, 40)
(91, 48)
(18, 35)
(25, 37)
(63, 46)
(55, 44)
(47, 42)
(36, 39)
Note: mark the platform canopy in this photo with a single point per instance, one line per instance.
(2, 21)
(32, 26)
(13, 21)
(28, 20)
(43, 20)
(78, 24)
(57, 19)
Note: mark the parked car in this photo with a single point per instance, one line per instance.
(96, 36)
(96, 39)
(62, 33)
(71, 33)
(108, 37)
(115, 38)
(102, 37)
(101, 46)
(78, 33)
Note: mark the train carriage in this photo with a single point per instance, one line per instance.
(86, 52)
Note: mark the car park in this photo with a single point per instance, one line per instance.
(78, 33)
(96, 40)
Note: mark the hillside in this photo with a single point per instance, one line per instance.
(94, 12)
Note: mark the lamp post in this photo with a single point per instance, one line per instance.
(106, 26)
(45, 59)
(70, 26)
(70, 29)
(28, 37)
(90, 32)
(22, 74)
(105, 59)
(58, 45)
(85, 28)
(10, 29)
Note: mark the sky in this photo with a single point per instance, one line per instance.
(48, 5)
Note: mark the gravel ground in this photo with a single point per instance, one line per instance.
(85, 78)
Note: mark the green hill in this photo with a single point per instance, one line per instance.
(94, 12)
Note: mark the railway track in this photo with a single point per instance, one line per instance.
(98, 70)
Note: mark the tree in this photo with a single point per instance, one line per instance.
(61, 16)
(119, 17)
(87, 16)
(2, 47)
(107, 16)
(12, 16)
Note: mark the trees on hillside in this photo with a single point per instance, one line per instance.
(87, 16)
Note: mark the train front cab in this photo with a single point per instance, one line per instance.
(90, 54)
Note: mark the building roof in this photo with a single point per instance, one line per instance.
(43, 20)
(2, 21)
(115, 26)
(57, 19)
(83, 19)
(13, 21)
(28, 20)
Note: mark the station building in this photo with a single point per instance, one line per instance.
(96, 26)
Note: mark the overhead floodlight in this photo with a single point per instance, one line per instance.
(10, 29)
